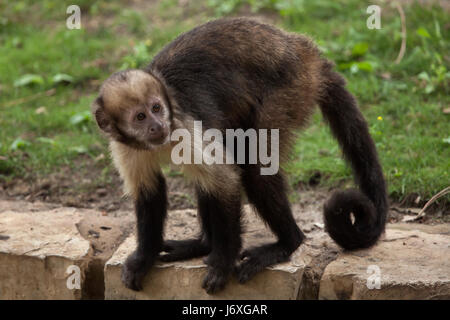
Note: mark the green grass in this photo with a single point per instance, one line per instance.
(412, 137)
(36, 143)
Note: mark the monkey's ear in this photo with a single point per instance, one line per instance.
(103, 120)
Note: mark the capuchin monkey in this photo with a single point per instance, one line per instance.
(234, 73)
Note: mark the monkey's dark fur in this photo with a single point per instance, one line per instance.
(230, 74)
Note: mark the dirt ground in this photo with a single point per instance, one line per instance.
(81, 188)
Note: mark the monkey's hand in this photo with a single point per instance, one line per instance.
(134, 270)
(217, 275)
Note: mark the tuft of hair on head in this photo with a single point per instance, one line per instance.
(125, 86)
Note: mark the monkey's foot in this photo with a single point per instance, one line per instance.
(256, 259)
(135, 269)
(184, 250)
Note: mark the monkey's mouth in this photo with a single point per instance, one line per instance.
(161, 140)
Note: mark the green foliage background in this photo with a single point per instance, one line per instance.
(49, 76)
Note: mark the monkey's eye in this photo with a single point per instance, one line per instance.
(156, 108)
(140, 116)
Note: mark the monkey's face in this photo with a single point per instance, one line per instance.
(132, 109)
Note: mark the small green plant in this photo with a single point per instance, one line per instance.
(29, 80)
(46, 140)
(82, 120)
(355, 61)
(437, 77)
(62, 78)
(139, 57)
(19, 144)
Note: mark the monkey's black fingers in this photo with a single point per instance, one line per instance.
(131, 281)
(258, 259)
(215, 280)
(184, 250)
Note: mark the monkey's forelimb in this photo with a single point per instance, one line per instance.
(220, 239)
(151, 210)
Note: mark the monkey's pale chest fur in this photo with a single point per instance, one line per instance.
(139, 168)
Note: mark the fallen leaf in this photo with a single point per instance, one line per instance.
(407, 218)
(417, 200)
(79, 149)
(386, 75)
(101, 156)
(41, 110)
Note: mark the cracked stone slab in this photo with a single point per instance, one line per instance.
(36, 250)
(409, 264)
(39, 241)
(182, 280)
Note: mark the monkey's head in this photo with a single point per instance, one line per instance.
(132, 108)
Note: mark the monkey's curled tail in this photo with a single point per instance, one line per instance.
(369, 205)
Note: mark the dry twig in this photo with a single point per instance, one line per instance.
(29, 98)
(422, 213)
(403, 21)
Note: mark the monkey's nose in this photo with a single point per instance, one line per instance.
(156, 132)
(155, 128)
